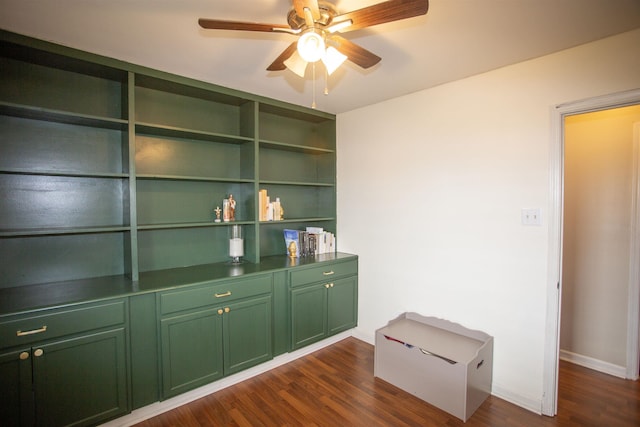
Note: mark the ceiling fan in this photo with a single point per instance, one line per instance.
(318, 25)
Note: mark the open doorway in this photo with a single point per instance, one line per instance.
(599, 176)
(554, 285)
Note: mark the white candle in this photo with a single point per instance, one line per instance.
(236, 247)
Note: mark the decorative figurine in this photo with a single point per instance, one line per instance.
(225, 210)
(217, 210)
(232, 208)
(292, 250)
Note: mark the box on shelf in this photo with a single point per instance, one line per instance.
(441, 362)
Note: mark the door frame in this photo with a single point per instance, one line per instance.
(554, 276)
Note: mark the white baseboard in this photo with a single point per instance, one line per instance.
(368, 338)
(158, 408)
(533, 405)
(595, 364)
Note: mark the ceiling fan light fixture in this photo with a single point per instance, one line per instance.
(332, 59)
(311, 46)
(296, 64)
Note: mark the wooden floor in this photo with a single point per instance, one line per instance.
(335, 387)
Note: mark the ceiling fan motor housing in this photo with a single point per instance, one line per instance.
(327, 13)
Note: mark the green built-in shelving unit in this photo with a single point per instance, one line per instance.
(113, 169)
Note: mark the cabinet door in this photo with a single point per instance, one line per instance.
(247, 334)
(191, 351)
(308, 315)
(16, 405)
(80, 381)
(342, 305)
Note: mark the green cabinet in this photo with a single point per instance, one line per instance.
(342, 301)
(308, 314)
(65, 372)
(17, 407)
(109, 175)
(191, 351)
(214, 330)
(324, 302)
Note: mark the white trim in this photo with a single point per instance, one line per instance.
(554, 273)
(633, 311)
(158, 408)
(362, 336)
(595, 364)
(554, 283)
(506, 394)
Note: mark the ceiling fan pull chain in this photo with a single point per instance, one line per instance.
(313, 84)
(326, 81)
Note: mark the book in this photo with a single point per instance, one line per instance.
(310, 243)
(262, 205)
(292, 236)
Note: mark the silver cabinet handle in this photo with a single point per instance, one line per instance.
(327, 273)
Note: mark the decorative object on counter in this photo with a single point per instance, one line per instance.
(236, 244)
(278, 212)
(232, 208)
(217, 211)
(292, 242)
(268, 210)
(225, 210)
(293, 249)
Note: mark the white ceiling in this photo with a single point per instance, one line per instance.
(456, 39)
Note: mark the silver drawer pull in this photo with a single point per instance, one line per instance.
(327, 273)
(31, 332)
(226, 294)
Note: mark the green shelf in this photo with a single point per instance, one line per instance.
(176, 132)
(59, 116)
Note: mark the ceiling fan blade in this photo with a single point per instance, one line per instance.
(388, 11)
(355, 53)
(299, 6)
(278, 64)
(216, 24)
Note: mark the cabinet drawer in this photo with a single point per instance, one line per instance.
(219, 293)
(328, 271)
(56, 323)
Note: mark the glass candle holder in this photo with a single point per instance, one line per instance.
(236, 244)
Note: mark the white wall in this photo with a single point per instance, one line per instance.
(430, 188)
(597, 229)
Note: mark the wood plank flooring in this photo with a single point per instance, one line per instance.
(335, 387)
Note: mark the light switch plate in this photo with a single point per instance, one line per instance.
(531, 216)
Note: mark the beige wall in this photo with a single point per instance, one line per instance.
(430, 191)
(597, 230)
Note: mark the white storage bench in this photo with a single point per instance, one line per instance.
(443, 363)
